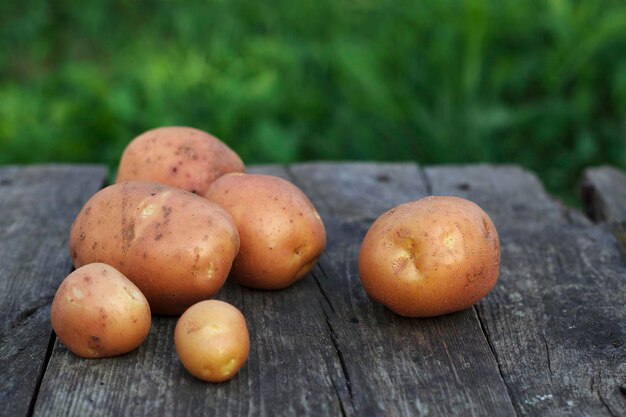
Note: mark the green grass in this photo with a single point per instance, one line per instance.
(539, 83)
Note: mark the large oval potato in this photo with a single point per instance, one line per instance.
(430, 257)
(177, 247)
(282, 235)
(97, 312)
(181, 157)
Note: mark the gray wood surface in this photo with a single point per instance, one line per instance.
(556, 320)
(603, 191)
(394, 366)
(312, 353)
(292, 369)
(549, 340)
(37, 206)
(359, 190)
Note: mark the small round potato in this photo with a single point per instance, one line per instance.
(430, 257)
(177, 247)
(212, 340)
(181, 157)
(97, 312)
(281, 233)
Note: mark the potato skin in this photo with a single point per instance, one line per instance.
(180, 157)
(212, 340)
(430, 257)
(282, 235)
(177, 247)
(97, 312)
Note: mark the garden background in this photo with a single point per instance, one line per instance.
(537, 83)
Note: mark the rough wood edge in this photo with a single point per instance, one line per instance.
(603, 194)
(38, 313)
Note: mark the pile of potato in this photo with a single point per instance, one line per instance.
(183, 216)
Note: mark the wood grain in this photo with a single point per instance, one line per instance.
(293, 368)
(37, 206)
(515, 192)
(353, 191)
(394, 366)
(548, 341)
(556, 320)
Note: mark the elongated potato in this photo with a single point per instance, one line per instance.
(181, 157)
(97, 312)
(175, 246)
(282, 235)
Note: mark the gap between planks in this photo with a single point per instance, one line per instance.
(33, 400)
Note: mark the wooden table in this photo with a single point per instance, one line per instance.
(549, 340)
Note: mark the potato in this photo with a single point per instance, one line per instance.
(97, 312)
(281, 233)
(430, 257)
(177, 247)
(181, 157)
(212, 340)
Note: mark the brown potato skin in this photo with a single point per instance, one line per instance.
(97, 312)
(177, 247)
(430, 257)
(212, 340)
(180, 157)
(282, 235)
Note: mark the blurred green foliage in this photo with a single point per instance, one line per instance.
(540, 83)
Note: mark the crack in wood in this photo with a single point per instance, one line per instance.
(25, 315)
(425, 179)
(343, 410)
(545, 343)
(516, 406)
(592, 384)
(319, 285)
(33, 400)
(599, 394)
(344, 367)
(334, 341)
(559, 263)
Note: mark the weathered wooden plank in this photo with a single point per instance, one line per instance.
(394, 366)
(150, 381)
(359, 190)
(516, 192)
(556, 319)
(37, 206)
(603, 192)
(293, 368)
